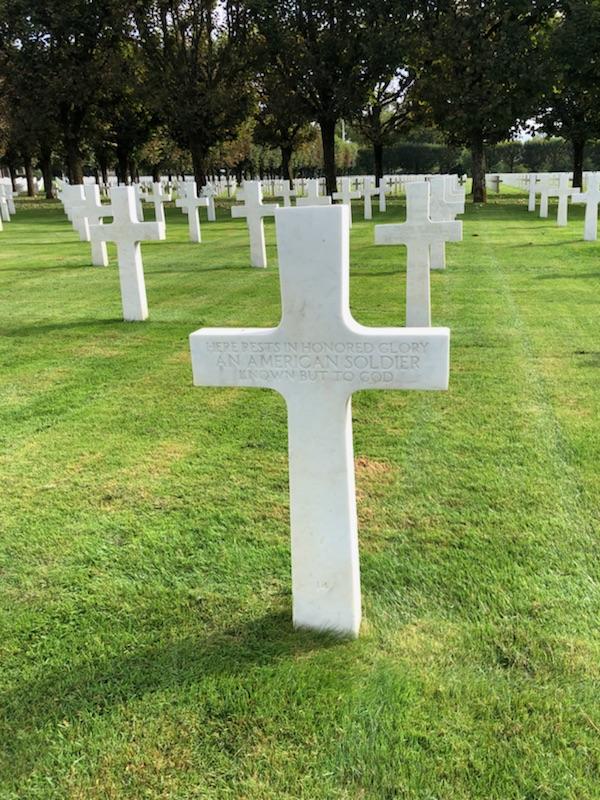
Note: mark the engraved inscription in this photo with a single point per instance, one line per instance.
(369, 362)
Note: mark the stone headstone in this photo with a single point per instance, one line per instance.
(127, 232)
(418, 233)
(317, 357)
(254, 211)
(369, 191)
(346, 195)
(189, 202)
(313, 196)
(591, 199)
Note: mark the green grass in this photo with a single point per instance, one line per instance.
(146, 647)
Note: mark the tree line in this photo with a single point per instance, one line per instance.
(106, 84)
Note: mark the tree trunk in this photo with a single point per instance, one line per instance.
(122, 167)
(378, 161)
(46, 167)
(286, 162)
(29, 175)
(328, 140)
(103, 164)
(13, 175)
(478, 169)
(156, 174)
(578, 153)
(198, 165)
(74, 162)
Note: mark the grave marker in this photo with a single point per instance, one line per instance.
(317, 357)
(418, 233)
(346, 195)
(127, 232)
(369, 191)
(441, 210)
(190, 203)
(591, 199)
(254, 210)
(313, 195)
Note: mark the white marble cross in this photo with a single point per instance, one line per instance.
(74, 202)
(591, 198)
(139, 197)
(7, 194)
(532, 191)
(286, 192)
(546, 189)
(418, 233)
(346, 195)
(209, 191)
(382, 190)
(441, 209)
(93, 211)
(4, 210)
(253, 211)
(563, 193)
(317, 357)
(313, 196)
(189, 202)
(127, 233)
(158, 198)
(369, 191)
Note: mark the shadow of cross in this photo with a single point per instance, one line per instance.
(591, 198)
(418, 233)
(317, 357)
(127, 233)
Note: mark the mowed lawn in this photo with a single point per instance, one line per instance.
(146, 646)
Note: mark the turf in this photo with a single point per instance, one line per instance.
(146, 648)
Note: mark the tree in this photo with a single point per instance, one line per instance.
(324, 51)
(281, 120)
(64, 45)
(480, 70)
(571, 104)
(197, 51)
(385, 115)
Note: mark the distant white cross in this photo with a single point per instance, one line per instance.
(7, 193)
(591, 198)
(382, 198)
(532, 191)
(563, 193)
(313, 196)
(317, 357)
(418, 233)
(4, 210)
(189, 202)
(441, 209)
(127, 233)
(346, 195)
(546, 189)
(286, 192)
(74, 202)
(158, 198)
(369, 191)
(93, 212)
(254, 210)
(209, 191)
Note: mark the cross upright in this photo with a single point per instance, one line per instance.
(317, 357)
(158, 198)
(591, 198)
(313, 196)
(4, 210)
(532, 191)
(563, 193)
(453, 192)
(127, 232)
(369, 191)
(441, 209)
(346, 195)
(93, 211)
(254, 210)
(7, 194)
(209, 191)
(286, 193)
(383, 181)
(189, 202)
(546, 189)
(74, 204)
(418, 233)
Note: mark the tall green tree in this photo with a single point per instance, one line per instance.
(325, 51)
(197, 52)
(480, 70)
(571, 104)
